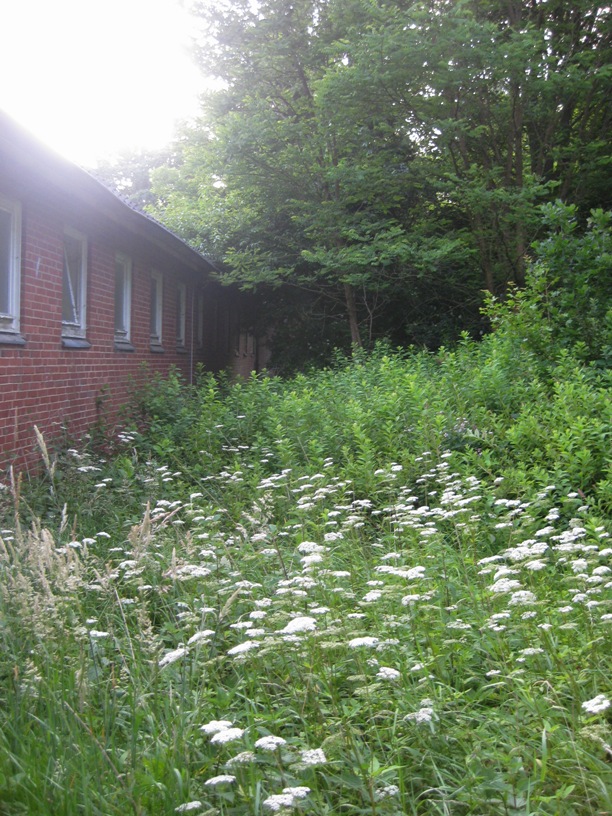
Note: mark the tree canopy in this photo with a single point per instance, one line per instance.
(388, 160)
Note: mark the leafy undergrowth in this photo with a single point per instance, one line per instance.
(385, 589)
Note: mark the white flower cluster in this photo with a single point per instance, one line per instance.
(596, 705)
(387, 673)
(241, 648)
(227, 735)
(172, 657)
(386, 792)
(270, 743)
(313, 756)
(243, 758)
(504, 585)
(221, 779)
(195, 804)
(302, 623)
(289, 798)
(367, 641)
(423, 715)
(214, 726)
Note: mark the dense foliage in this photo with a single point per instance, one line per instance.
(381, 588)
(387, 160)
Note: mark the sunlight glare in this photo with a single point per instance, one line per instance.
(93, 79)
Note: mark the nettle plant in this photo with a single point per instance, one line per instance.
(434, 645)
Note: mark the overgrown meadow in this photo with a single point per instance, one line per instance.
(384, 588)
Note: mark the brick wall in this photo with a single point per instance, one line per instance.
(65, 390)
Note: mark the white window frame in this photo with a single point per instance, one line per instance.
(181, 315)
(76, 328)
(9, 320)
(156, 319)
(123, 332)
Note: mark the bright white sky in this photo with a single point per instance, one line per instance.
(93, 77)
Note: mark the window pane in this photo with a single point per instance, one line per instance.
(73, 258)
(155, 319)
(154, 326)
(5, 261)
(181, 308)
(120, 287)
(201, 320)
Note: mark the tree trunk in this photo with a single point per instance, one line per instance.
(351, 308)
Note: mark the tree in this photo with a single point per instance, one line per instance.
(509, 101)
(292, 184)
(129, 174)
(391, 155)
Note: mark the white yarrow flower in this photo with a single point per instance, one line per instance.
(313, 756)
(214, 726)
(596, 705)
(423, 715)
(243, 758)
(221, 779)
(193, 805)
(205, 634)
(287, 799)
(298, 792)
(279, 801)
(533, 650)
(522, 597)
(386, 673)
(227, 735)
(367, 641)
(536, 565)
(372, 595)
(309, 547)
(244, 647)
(172, 657)
(299, 624)
(385, 792)
(505, 585)
(270, 743)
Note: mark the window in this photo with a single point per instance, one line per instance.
(215, 325)
(74, 286)
(201, 319)
(156, 311)
(10, 270)
(123, 302)
(181, 312)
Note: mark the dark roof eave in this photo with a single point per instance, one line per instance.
(20, 146)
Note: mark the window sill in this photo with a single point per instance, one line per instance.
(124, 345)
(11, 339)
(156, 348)
(75, 343)
(181, 350)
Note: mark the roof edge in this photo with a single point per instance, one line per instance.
(21, 146)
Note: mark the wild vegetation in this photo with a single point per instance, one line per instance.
(383, 587)
(380, 588)
(369, 168)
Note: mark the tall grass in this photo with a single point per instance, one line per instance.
(379, 589)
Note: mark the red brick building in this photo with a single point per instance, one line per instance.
(95, 297)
